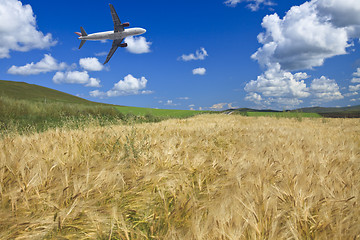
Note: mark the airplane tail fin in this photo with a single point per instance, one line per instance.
(82, 43)
(83, 33)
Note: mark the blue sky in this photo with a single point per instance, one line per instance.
(195, 54)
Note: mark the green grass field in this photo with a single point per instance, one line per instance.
(26, 108)
(138, 111)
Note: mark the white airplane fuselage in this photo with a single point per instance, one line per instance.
(113, 35)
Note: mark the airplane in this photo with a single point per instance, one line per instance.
(117, 35)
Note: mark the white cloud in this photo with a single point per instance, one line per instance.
(97, 94)
(47, 64)
(230, 106)
(343, 13)
(91, 64)
(356, 79)
(76, 77)
(354, 88)
(129, 86)
(137, 45)
(325, 89)
(351, 94)
(170, 103)
(147, 92)
(357, 73)
(254, 5)
(18, 30)
(286, 102)
(218, 106)
(254, 97)
(199, 71)
(303, 39)
(284, 88)
(199, 55)
(277, 84)
(93, 82)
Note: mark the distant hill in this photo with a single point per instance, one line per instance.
(336, 112)
(329, 109)
(32, 92)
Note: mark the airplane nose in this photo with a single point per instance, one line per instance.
(143, 30)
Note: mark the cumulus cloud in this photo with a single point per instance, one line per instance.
(129, 86)
(276, 83)
(47, 64)
(137, 45)
(19, 30)
(199, 55)
(147, 92)
(303, 39)
(342, 13)
(230, 106)
(254, 5)
(91, 64)
(199, 71)
(285, 88)
(357, 73)
(170, 103)
(354, 88)
(325, 89)
(351, 94)
(218, 106)
(356, 79)
(254, 97)
(76, 77)
(97, 94)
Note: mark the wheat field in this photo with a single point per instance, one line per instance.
(206, 177)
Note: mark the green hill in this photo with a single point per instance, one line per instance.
(35, 93)
(32, 92)
(28, 107)
(336, 112)
(330, 109)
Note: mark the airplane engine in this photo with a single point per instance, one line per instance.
(126, 24)
(123, 45)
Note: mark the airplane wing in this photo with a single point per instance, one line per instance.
(114, 46)
(118, 27)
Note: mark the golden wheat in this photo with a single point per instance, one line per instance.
(207, 177)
